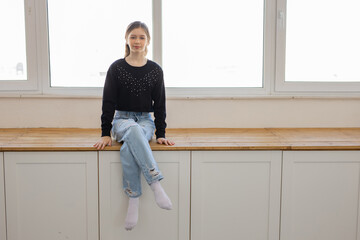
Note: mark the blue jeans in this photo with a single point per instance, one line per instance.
(135, 130)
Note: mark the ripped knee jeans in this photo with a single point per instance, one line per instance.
(135, 130)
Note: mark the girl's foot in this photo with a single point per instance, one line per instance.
(162, 200)
(132, 214)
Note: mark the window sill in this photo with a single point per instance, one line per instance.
(193, 97)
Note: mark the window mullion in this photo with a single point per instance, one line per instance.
(157, 31)
(43, 46)
(31, 45)
(269, 58)
(280, 44)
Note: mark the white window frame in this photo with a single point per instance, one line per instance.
(304, 88)
(274, 84)
(46, 89)
(228, 92)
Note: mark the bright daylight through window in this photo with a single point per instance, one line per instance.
(13, 64)
(220, 47)
(322, 41)
(205, 47)
(88, 36)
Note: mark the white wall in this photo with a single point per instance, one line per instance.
(240, 113)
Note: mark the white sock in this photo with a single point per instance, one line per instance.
(162, 200)
(132, 213)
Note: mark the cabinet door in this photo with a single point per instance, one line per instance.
(235, 195)
(154, 223)
(51, 195)
(2, 200)
(320, 195)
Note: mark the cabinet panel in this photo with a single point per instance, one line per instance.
(320, 195)
(154, 223)
(2, 200)
(51, 195)
(235, 195)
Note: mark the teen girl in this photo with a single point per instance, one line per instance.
(134, 86)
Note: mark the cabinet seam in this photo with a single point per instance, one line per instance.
(190, 200)
(281, 191)
(5, 210)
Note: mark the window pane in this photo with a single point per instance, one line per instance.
(86, 36)
(322, 43)
(209, 43)
(12, 40)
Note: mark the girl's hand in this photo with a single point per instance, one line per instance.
(165, 141)
(103, 142)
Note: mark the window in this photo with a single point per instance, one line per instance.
(13, 65)
(18, 62)
(87, 37)
(206, 47)
(222, 47)
(322, 45)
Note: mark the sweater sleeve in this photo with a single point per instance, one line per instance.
(108, 102)
(158, 96)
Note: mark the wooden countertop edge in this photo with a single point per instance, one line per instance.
(210, 139)
(223, 148)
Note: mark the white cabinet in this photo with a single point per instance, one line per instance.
(320, 195)
(2, 200)
(154, 223)
(235, 195)
(51, 195)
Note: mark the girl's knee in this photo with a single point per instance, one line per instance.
(148, 131)
(134, 131)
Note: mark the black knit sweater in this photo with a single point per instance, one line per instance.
(135, 89)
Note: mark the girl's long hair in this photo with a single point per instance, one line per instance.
(132, 26)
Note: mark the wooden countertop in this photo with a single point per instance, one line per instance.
(68, 139)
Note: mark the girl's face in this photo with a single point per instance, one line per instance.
(137, 40)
